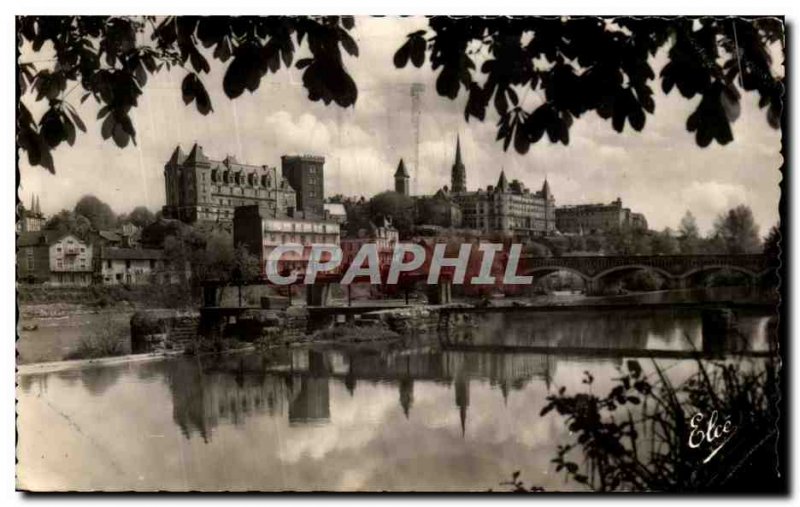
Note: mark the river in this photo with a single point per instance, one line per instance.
(408, 416)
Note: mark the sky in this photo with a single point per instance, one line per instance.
(660, 172)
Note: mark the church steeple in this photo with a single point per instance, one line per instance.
(502, 182)
(401, 177)
(546, 189)
(458, 176)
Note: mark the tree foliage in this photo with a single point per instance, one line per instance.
(99, 214)
(737, 231)
(580, 65)
(106, 57)
(688, 234)
(576, 65)
(141, 216)
(66, 221)
(399, 207)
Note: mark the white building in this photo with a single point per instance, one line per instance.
(130, 266)
(70, 261)
(261, 232)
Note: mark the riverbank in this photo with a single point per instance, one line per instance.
(53, 331)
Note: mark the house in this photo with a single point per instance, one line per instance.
(70, 261)
(107, 239)
(336, 212)
(33, 256)
(130, 266)
(381, 232)
(53, 258)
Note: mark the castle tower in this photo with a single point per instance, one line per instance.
(305, 175)
(458, 175)
(502, 182)
(401, 179)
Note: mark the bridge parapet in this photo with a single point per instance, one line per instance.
(671, 266)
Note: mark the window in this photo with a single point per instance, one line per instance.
(108, 263)
(127, 264)
(152, 264)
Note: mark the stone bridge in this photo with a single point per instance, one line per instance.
(597, 271)
(678, 270)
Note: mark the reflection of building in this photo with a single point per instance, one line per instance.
(203, 400)
(462, 401)
(201, 189)
(406, 387)
(594, 218)
(312, 403)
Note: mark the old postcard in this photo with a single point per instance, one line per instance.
(400, 254)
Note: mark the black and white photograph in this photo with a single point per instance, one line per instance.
(400, 254)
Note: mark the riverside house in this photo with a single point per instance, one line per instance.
(53, 258)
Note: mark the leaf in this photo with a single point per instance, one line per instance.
(51, 128)
(69, 131)
(76, 119)
(107, 126)
(402, 55)
(243, 72)
(348, 43)
(418, 44)
(634, 368)
(199, 62)
(193, 90)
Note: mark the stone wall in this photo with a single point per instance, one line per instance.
(159, 330)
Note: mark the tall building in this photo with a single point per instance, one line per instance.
(401, 179)
(509, 207)
(261, 232)
(305, 174)
(597, 218)
(30, 220)
(202, 189)
(458, 174)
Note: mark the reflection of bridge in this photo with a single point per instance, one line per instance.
(679, 271)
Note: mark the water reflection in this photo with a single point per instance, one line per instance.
(341, 418)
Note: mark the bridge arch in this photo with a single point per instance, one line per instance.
(633, 267)
(719, 267)
(547, 270)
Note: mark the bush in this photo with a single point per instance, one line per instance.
(643, 281)
(107, 341)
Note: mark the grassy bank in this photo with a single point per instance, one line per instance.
(100, 296)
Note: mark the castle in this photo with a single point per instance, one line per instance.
(509, 207)
(199, 188)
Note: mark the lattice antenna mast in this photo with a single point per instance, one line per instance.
(416, 92)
